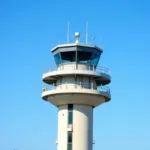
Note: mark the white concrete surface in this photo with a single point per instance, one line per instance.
(82, 127)
(62, 127)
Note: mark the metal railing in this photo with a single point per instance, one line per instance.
(89, 68)
(103, 70)
(80, 85)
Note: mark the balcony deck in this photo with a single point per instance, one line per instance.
(76, 94)
(101, 75)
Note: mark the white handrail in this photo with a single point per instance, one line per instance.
(76, 86)
(103, 69)
(100, 69)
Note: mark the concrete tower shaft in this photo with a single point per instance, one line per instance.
(76, 87)
(75, 127)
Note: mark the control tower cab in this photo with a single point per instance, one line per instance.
(76, 87)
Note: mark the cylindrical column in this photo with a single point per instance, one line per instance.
(75, 127)
(62, 127)
(82, 127)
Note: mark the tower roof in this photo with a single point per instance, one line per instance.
(75, 45)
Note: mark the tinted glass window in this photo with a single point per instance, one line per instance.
(70, 107)
(94, 59)
(70, 117)
(88, 57)
(68, 56)
(69, 146)
(57, 59)
(69, 137)
(84, 57)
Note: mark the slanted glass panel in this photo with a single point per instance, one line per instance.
(69, 137)
(70, 146)
(70, 117)
(57, 59)
(84, 57)
(88, 56)
(94, 59)
(68, 56)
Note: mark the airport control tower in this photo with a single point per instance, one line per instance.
(76, 87)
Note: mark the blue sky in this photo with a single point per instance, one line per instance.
(29, 29)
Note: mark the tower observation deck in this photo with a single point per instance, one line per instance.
(76, 87)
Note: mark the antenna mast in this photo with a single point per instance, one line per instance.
(86, 32)
(68, 32)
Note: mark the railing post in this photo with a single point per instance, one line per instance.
(101, 88)
(80, 85)
(44, 89)
(75, 67)
(103, 70)
(60, 86)
(92, 85)
(76, 84)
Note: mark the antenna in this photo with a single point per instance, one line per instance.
(68, 32)
(93, 38)
(86, 32)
